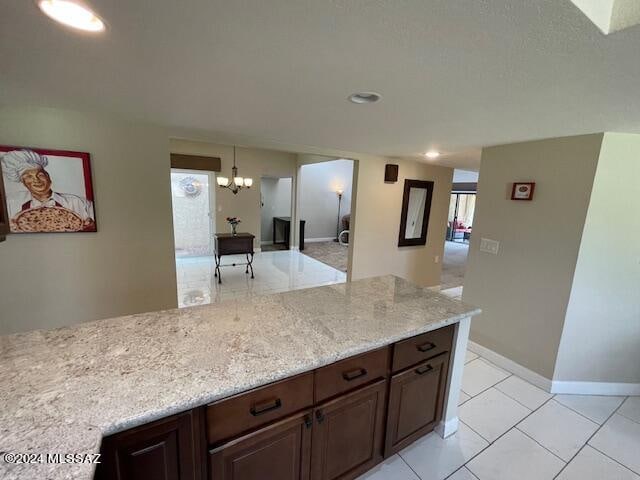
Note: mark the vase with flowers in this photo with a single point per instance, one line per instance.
(233, 221)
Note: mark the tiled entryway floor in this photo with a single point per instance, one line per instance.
(512, 430)
(277, 271)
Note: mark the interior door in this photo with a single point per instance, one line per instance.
(193, 198)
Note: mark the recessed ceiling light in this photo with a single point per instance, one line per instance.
(72, 14)
(364, 97)
(432, 154)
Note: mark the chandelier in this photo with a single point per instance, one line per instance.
(237, 183)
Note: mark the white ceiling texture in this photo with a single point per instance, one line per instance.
(454, 75)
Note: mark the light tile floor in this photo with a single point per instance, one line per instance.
(512, 430)
(277, 271)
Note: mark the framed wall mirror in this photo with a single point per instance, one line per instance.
(416, 206)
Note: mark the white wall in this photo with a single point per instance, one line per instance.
(276, 202)
(524, 289)
(376, 222)
(601, 335)
(318, 199)
(49, 280)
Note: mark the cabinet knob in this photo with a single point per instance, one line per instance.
(308, 421)
(319, 416)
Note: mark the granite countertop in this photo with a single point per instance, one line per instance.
(62, 390)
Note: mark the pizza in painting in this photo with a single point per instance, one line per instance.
(47, 219)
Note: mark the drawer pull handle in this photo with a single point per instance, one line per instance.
(353, 374)
(424, 369)
(319, 416)
(425, 347)
(265, 407)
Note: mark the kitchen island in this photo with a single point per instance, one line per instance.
(62, 391)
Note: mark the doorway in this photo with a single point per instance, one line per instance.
(460, 222)
(456, 247)
(324, 199)
(276, 195)
(193, 201)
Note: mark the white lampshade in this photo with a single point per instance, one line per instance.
(238, 181)
(248, 182)
(222, 181)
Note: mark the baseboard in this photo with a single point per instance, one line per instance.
(556, 386)
(320, 239)
(448, 428)
(294, 248)
(511, 366)
(257, 249)
(595, 388)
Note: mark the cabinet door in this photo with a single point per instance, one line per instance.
(279, 451)
(416, 397)
(348, 434)
(168, 449)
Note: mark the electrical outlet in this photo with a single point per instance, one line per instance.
(436, 259)
(489, 246)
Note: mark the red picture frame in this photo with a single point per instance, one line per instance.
(523, 191)
(81, 199)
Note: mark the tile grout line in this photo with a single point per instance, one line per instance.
(533, 411)
(612, 459)
(410, 467)
(480, 393)
(523, 419)
(552, 453)
(594, 434)
(566, 463)
(472, 474)
(518, 401)
(584, 416)
(512, 428)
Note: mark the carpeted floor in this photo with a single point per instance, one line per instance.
(454, 263)
(330, 253)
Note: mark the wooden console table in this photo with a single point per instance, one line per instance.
(286, 226)
(229, 244)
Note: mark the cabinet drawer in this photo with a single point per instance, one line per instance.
(234, 246)
(246, 411)
(347, 374)
(417, 349)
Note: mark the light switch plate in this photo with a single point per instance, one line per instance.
(489, 246)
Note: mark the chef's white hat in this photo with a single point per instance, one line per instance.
(16, 162)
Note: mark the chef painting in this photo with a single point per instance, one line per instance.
(48, 190)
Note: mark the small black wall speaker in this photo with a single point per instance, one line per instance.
(390, 172)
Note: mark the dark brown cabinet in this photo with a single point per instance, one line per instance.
(169, 449)
(279, 451)
(333, 423)
(416, 398)
(348, 434)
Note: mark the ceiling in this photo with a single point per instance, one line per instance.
(455, 75)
